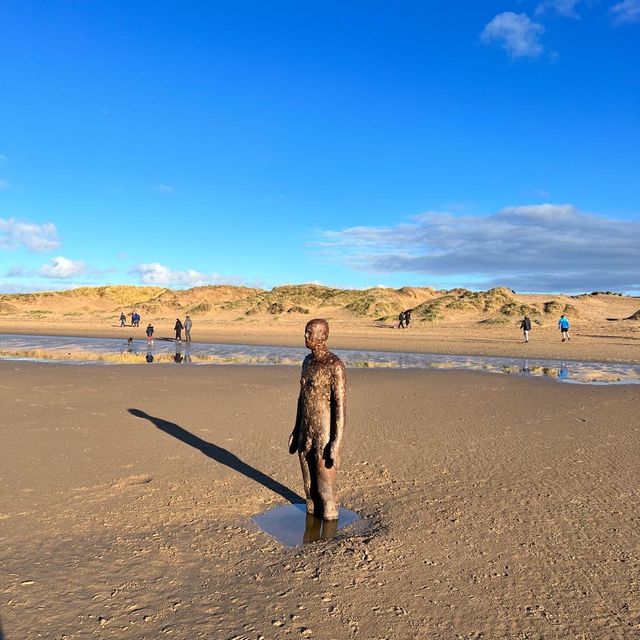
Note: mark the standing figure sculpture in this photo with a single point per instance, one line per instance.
(317, 435)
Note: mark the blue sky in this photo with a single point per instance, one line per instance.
(347, 143)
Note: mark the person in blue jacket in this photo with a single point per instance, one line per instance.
(563, 325)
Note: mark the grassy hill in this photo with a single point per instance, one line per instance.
(231, 303)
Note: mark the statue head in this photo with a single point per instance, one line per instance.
(316, 333)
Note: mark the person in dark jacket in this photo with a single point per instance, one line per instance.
(178, 328)
(407, 317)
(525, 325)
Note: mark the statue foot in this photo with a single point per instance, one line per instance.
(330, 511)
(311, 507)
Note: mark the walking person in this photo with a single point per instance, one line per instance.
(187, 328)
(123, 319)
(178, 329)
(407, 318)
(525, 325)
(149, 333)
(401, 320)
(563, 325)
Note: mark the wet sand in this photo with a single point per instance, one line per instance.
(596, 341)
(493, 507)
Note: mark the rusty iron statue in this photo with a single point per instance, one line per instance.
(317, 435)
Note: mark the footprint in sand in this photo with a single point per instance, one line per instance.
(132, 480)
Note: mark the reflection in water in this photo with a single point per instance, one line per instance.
(290, 525)
(112, 351)
(318, 529)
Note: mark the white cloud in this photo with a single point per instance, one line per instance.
(35, 237)
(516, 33)
(154, 273)
(61, 267)
(165, 189)
(4, 184)
(626, 11)
(542, 247)
(565, 8)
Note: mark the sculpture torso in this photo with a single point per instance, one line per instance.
(317, 385)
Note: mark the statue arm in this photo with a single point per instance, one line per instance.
(339, 398)
(295, 434)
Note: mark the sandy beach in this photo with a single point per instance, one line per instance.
(492, 507)
(600, 343)
(212, 213)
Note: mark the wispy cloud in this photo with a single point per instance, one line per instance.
(7, 286)
(34, 237)
(154, 273)
(627, 11)
(61, 267)
(16, 272)
(516, 33)
(164, 189)
(565, 8)
(542, 247)
(4, 184)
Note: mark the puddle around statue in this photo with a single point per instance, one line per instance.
(291, 526)
(76, 350)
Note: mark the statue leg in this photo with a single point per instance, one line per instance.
(326, 489)
(305, 462)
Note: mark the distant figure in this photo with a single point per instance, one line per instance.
(407, 318)
(320, 417)
(401, 320)
(135, 319)
(178, 329)
(129, 344)
(563, 325)
(123, 319)
(149, 333)
(178, 356)
(187, 329)
(563, 372)
(525, 325)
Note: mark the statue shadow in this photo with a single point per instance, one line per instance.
(220, 455)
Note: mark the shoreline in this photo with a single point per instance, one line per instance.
(441, 340)
(73, 351)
